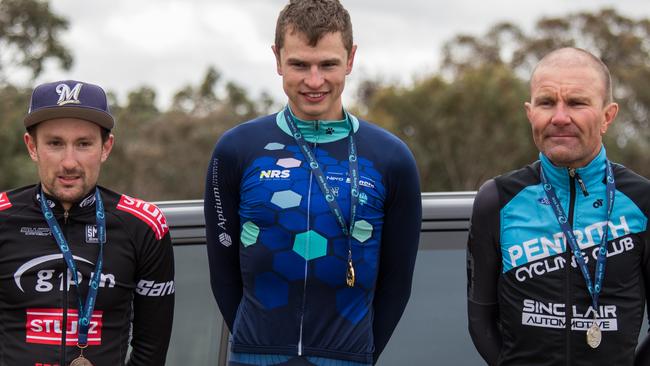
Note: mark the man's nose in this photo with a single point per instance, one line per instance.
(314, 79)
(561, 114)
(69, 160)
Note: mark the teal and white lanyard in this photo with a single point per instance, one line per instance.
(85, 312)
(327, 191)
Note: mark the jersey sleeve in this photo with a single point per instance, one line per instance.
(221, 203)
(483, 266)
(399, 246)
(153, 301)
(642, 356)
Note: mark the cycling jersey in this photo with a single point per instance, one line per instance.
(528, 300)
(38, 296)
(278, 257)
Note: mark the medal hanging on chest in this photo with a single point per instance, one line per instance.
(81, 360)
(353, 172)
(594, 334)
(85, 310)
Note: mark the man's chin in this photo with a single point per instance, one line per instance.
(68, 196)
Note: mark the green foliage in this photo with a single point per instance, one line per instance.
(16, 167)
(29, 35)
(464, 124)
(467, 123)
(163, 155)
(459, 131)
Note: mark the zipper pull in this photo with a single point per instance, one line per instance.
(582, 185)
(66, 214)
(572, 172)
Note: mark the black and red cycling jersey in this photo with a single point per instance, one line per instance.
(39, 298)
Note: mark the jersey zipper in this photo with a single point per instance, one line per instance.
(307, 245)
(64, 295)
(567, 291)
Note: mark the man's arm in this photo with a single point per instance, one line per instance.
(483, 266)
(221, 203)
(399, 246)
(153, 302)
(642, 356)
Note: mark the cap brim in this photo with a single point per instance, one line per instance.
(96, 116)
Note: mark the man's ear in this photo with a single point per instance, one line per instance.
(107, 147)
(610, 112)
(278, 63)
(30, 143)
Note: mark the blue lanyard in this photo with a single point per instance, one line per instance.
(85, 313)
(325, 188)
(594, 289)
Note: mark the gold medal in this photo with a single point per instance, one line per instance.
(349, 276)
(594, 335)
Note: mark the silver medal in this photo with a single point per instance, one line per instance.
(594, 335)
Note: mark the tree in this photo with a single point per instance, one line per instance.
(29, 35)
(467, 123)
(16, 167)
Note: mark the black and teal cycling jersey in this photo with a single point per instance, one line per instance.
(528, 301)
(278, 257)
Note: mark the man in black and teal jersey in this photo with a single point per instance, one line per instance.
(312, 214)
(558, 253)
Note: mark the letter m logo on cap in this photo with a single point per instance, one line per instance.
(4, 201)
(67, 95)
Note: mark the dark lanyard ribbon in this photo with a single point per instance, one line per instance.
(562, 219)
(325, 188)
(85, 313)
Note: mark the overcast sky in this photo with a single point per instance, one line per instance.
(167, 44)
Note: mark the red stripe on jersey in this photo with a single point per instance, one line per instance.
(147, 212)
(4, 201)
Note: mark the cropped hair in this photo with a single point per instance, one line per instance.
(314, 19)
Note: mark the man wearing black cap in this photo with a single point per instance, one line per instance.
(82, 269)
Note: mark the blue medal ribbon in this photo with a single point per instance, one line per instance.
(85, 312)
(593, 288)
(325, 188)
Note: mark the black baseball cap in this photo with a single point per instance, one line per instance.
(69, 99)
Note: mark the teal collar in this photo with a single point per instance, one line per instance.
(319, 131)
(592, 173)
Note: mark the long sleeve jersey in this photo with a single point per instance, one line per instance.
(278, 258)
(38, 296)
(528, 302)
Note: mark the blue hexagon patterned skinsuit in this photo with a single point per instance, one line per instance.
(281, 285)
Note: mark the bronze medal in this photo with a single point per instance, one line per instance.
(349, 278)
(594, 335)
(80, 361)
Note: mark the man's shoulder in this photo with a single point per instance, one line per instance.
(15, 199)
(629, 176)
(376, 138)
(633, 185)
(136, 213)
(251, 126)
(510, 184)
(524, 176)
